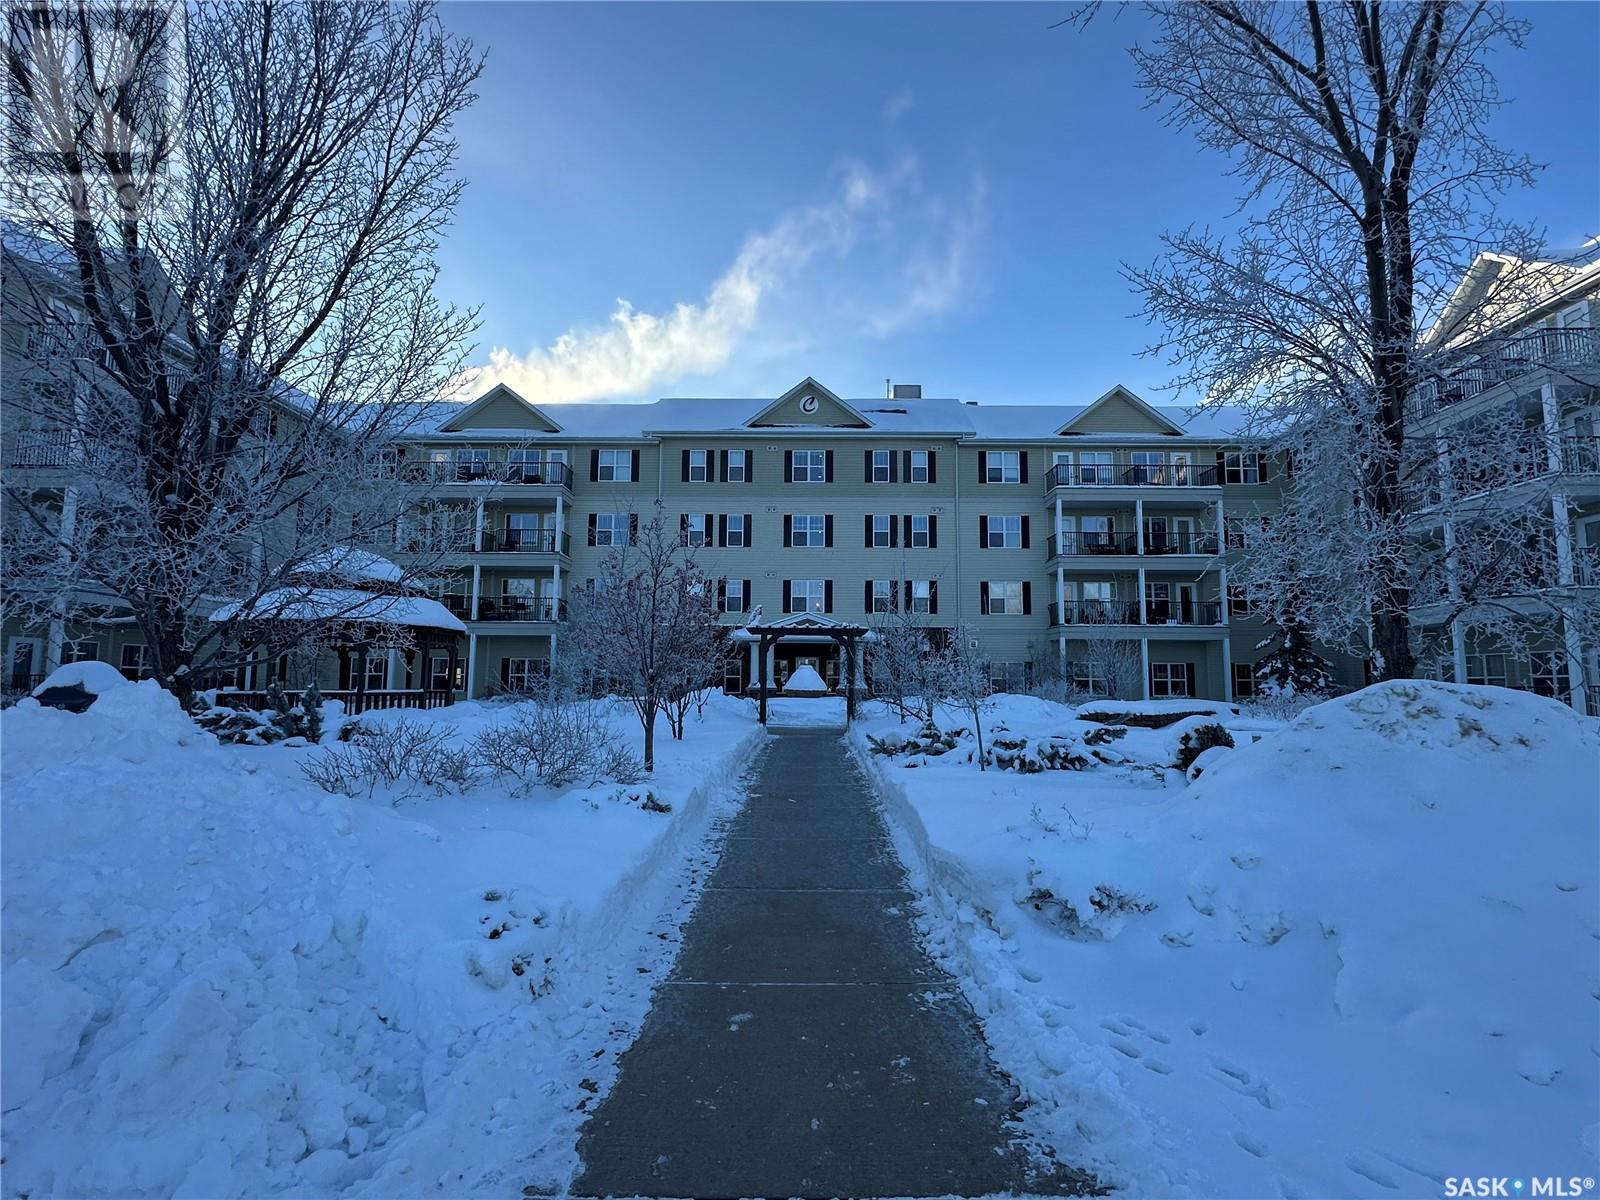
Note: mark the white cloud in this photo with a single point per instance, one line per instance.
(922, 243)
(899, 104)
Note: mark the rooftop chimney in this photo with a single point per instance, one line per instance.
(906, 391)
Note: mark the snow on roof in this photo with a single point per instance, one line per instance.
(344, 604)
(352, 565)
(925, 417)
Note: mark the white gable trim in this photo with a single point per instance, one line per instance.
(455, 423)
(1120, 392)
(808, 384)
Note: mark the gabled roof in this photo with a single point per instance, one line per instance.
(805, 390)
(497, 392)
(1121, 393)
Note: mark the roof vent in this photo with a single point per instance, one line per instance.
(905, 391)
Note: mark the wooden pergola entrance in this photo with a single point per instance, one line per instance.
(813, 627)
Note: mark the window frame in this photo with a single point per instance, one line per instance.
(886, 468)
(742, 469)
(1170, 673)
(801, 471)
(921, 596)
(1001, 589)
(689, 531)
(703, 466)
(926, 533)
(883, 540)
(740, 530)
(926, 468)
(619, 461)
(814, 604)
(998, 464)
(1009, 538)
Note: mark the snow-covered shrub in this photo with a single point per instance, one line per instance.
(555, 743)
(1104, 735)
(622, 764)
(239, 726)
(930, 740)
(1060, 753)
(1107, 907)
(1204, 761)
(333, 771)
(311, 707)
(1195, 742)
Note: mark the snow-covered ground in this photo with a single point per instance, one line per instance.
(222, 981)
(1356, 957)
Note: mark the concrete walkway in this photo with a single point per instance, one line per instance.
(805, 1044)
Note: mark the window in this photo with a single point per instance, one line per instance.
(1238, 603)
(808, 595)
(377, 671)
(809, 530)
(439, 673)
(1089, 677)
(1098, 536)
(733, 596)
(1010, 676)
(1244, 680)
(732, 675)
(882, 531)
(1547, 675)
(694, 529)
(1488, 669)
(922, 596)
(1149, 466)
(882, 466)
(1004, 533)
(520, 674)
(735, 531)
(921, 470)
(738, 470)
(614, 466)
(134, 660)
(1241, 468)
(1171, 679)
(523, 532)
(1002, 466)
(80, 651)
(1094, 466)
(612, 529)
(1004, 598)
(921, 531)
(883, 595)
(471, 464)
(699, 466)
(808, 466)
(1234, 530)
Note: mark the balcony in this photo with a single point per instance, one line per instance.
(1513, 358)
(521, 608)
(1070, 544)
(1131, 612)
(516, 472)
(1124, 471)
(526, 541)
(1526, 457)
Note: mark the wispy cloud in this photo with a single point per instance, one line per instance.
(879, 234)
(899, 104)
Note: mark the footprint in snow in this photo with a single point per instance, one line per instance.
(1159, 1067)
(1198, 1028)
(1250, 1145)
(1116, 1027)
(1126, 1048)
(1369, 1170)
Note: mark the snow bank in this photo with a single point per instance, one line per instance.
(221, 981)
(1354, 958)
(93, 677)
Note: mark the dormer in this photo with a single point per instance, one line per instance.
(809, 405)
(501, 408)
(1120, 411)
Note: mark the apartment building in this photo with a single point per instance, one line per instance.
(1037, 527)
(1530, 374)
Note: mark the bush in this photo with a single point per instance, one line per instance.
(1198, 740)
(1013, 753)
(556, 742)
(1106, 905)
(239, 726)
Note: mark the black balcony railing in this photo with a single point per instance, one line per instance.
(1169, 542)
(521, 472)
(1130, 612)
(1080, 542)
(527, 541)
(1514, 357)
(1124, 471)
(521, 608)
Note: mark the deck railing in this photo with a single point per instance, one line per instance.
(1074, 542)
(1515, 357)
(1124, 471)
(354, 700)
(526, 541)
(521, 608)
(1131, 612)
(539, 472)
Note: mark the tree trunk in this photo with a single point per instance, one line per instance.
(650, 741)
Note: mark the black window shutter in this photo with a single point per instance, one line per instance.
(1024, 531)
(983, 532)
(634, 478)
(1022, 466)
(788, 529)
(827, 466)
(722, 595)
(933, 595)
(1261, 465)
(1027, 598)
(827, 531)
(894, 468)
(983, 466)
(866, 601)
(722, 530)
(592, 517)
(683, 528)
(933, 475)
(827, 593)
(788, 466)
(633, 528)
(867, 520)
(786, 595)
(594, 466)
(750, 466)
(933, 529)
(866, 466)
(711, 523)
(685, 466)
(505, 672)
(1188, 674)
(722, 465)
(907, 592)
(905, 539)
(894, 531)
(906, 464)
(749, 530)
(747, 595)
(983, 598)
(1222, 466)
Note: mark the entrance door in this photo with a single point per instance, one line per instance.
(1186, 605)
(24, 660)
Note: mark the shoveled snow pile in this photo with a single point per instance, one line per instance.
(221, 981)
(1356, 957)
(805, 679)
(96, 678)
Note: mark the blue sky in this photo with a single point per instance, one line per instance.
(712, 199)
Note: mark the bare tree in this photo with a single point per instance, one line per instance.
(226, 224)
(958, 674)
(899, 654)
(1114, 660)
(643, 629)
(1359, 133)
